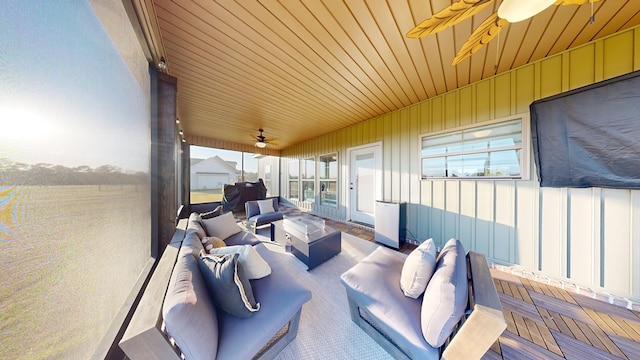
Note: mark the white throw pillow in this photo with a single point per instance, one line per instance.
(254, 266)
(221, 226)
(266, 206)
(418, 268)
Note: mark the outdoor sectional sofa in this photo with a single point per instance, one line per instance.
(190, 324)
(461, 328)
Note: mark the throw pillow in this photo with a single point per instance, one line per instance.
(212, 242)
(445, 299)
(253, 265)
(417, 269)
(222, 226)
(228, 286)
(211, 214)
(266, 206)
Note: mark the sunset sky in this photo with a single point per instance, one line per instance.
(66, 97)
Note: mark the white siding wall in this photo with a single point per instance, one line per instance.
(591, 236)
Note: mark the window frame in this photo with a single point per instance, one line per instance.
(524, 148)
(291, 180)
(304, 179)
(328, 179)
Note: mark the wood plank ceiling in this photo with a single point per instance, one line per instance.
(299, 69)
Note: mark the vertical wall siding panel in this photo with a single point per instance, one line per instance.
(589, 235)
(483, 101)
(387, 147)
(502, 95)
(526, 236)
(436, 231)
(485, 220)
(450, 110)
(525, 90)
(551, 72)
(618, 55)
(413, 218)
(437, 114)
(617, 247)
(425, 117)
(636, 48)
(395, 164)
(426, 206)
(553, 231)
(503, 232)
(581, 64)
(465, 107)
(452, 210)
(582, 241)
(404, 157)
(467, 215)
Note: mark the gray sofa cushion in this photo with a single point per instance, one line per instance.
(188, 312)
(280, 295)
(191, 243)
(445, 299)
(195, 223)
(374, 283)
(228, 286)
(242, 238)
(266, 218)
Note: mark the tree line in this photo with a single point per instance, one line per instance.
(15, 173)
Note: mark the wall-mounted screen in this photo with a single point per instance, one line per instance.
(589, 137)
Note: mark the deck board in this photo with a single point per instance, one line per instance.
(630, 348)
(547, 322)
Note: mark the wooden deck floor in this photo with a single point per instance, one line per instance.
(548, 322)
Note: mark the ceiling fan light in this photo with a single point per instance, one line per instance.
(517, 10)
(261, 144)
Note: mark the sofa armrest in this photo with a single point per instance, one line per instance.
(486, 322)
(144, 337)
(251, 208)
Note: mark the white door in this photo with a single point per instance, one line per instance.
(365, 182)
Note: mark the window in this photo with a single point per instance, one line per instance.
(294, 176)
(211, 169)
(495, 150)
(308, 180)
(328, 176)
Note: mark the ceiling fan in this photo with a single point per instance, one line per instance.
(510, 11)
(261, 141)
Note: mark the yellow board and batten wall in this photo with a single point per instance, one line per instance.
(591, 236)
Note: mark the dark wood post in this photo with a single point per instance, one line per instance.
(163, 154)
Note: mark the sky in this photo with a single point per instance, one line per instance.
(66, 96)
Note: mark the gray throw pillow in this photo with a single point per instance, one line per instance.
(227, 284)
(211, 214)
(445, 299)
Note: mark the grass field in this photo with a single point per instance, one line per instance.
(69, 257)
(203, 196)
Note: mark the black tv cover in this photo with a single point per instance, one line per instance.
(589, 137)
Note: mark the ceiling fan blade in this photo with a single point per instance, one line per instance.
(448, 16)
(480, 37)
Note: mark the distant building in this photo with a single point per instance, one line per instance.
(212, 173)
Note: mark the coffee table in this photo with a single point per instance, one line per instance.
(310, 240)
